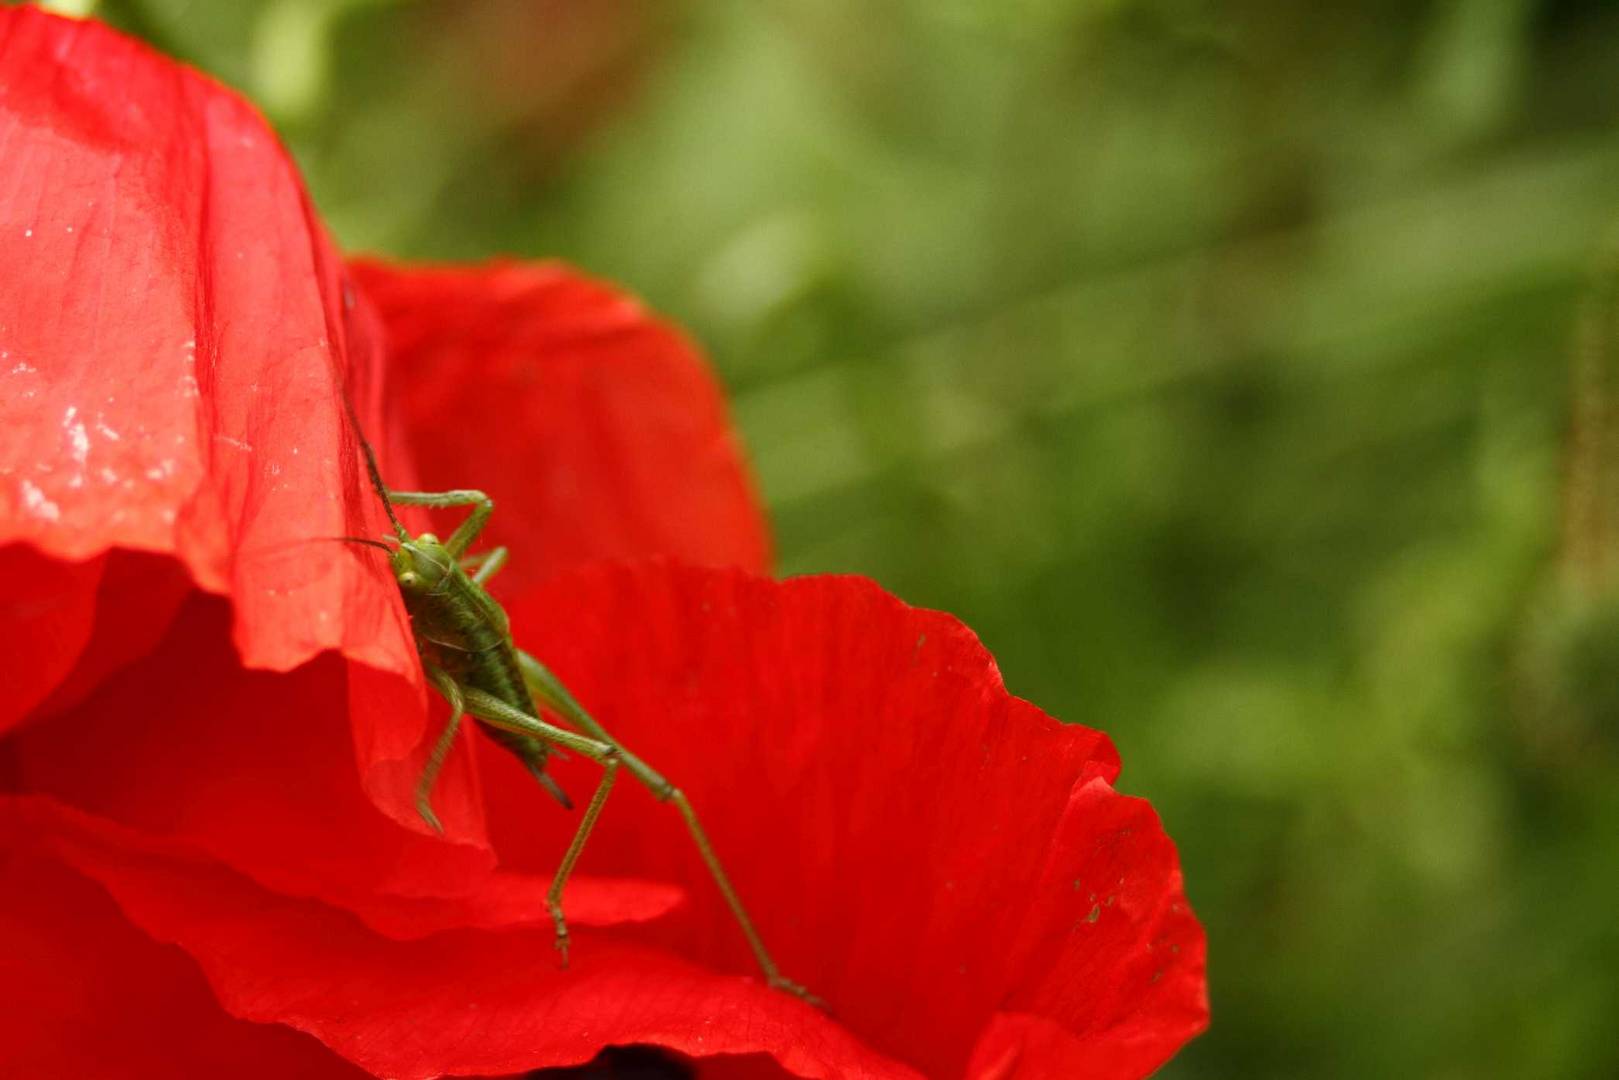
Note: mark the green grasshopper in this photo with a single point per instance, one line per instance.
(468, 655)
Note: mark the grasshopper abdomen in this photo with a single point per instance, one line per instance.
(462, 631)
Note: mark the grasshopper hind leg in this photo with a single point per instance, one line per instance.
(502, 717)
(553, 896)
(550, 692)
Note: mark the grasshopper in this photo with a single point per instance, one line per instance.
(465, 643)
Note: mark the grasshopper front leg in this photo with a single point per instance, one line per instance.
(451, 690)
(484, 565)
(465, 533)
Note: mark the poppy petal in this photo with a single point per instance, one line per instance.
(83, 993)
(906, 833)
(173, 345)
(456, 1002)
(47, 609)
(596, 427)
(176, 343)
(136, 599)
(257, 770)
(1111, 958)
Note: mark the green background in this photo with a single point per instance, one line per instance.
(1239, 371)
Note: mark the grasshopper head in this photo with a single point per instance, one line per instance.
(420, 565)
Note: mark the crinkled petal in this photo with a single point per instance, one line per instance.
(174, 343)
(596, 427)
(458, 1002)
(85, 994)
(918, 846)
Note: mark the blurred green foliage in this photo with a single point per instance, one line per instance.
(1212, 360)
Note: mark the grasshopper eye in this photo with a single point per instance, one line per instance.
(409, 579)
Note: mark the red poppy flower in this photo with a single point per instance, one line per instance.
(215, 717)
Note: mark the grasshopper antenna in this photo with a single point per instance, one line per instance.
(371, 468)
(360, 540)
